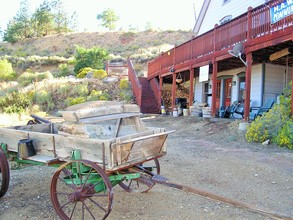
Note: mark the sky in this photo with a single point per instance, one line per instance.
(161, 14)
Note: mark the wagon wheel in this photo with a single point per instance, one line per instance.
(81, 190)
(4, 174)
(144, 183)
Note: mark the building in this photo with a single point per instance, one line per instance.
(242, 57)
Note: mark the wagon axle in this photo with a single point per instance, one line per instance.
(81, 194)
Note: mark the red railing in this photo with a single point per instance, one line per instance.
(221, 37)
(136, 86)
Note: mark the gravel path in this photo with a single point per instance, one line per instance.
(210, 156)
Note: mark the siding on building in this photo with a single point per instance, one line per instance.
(218, 10)
(268, 80)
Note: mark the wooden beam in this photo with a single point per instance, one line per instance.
(191, 79)
(160, 89)
(214, 87)
(292, 92)
(247, 86)
(173, 90)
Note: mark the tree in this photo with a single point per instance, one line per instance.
(43, 19)
(20, 26)
(93, 58)
(108, 19)
(50, 17)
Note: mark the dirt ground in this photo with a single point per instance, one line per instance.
(203, 154)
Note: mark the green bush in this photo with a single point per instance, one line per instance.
(93, 58)
(84, 71)
(123, 84)
(100, 74)
(6, 70)
(44, 100)
(14, 102)
(29, 77)
(74, 101)
(285, 137)
(275, 125)
(63, 70)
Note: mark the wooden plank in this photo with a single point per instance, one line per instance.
(43, 159)
(93, 104)
(107, 117)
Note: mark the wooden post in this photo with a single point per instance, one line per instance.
(160, 90)
(292, 93)
(173, 90)
(214, 87)
(191, 79)
(248, 67)
(247, 86)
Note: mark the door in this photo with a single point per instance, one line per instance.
(223, 96)
(228, 91)
(218, 94)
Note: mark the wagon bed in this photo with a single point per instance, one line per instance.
(108, 133)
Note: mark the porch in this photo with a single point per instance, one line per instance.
(263, 42)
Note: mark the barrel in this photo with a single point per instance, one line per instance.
(206, 112)
(185, 112)
(175, 112)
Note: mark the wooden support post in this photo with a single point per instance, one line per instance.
(173, 90)
(160, 90)
(191, 86)
(247, 86)
(292, 93)
(214, 87)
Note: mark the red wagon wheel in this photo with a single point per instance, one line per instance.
(81, 190)
(144, 183)
(4, 174)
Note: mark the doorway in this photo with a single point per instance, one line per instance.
(223, 93)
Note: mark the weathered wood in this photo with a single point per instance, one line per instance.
(111, 138)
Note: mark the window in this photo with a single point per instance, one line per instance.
(225, 19)
(206, 88)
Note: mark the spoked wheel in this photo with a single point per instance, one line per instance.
(4, 174)
(81, 190)
(144, 183)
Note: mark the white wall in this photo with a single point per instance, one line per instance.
(276, 79)
(217, 10)
(256, 85)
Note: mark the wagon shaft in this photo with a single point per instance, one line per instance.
(164, 181)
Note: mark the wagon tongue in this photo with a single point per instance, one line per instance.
(145, 180)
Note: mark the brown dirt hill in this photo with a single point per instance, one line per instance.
(140, 47)
(117, 43)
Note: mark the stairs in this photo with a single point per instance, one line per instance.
(148, 101)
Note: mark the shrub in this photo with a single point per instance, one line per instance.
(285, 137)
(83, 72)
(275, 124)
(74, 101)
(100, 74)
(123, 84)
(14, 102)
(63, 70)
(6, 71)
(44, 100)
(29, 77)
(94, 58)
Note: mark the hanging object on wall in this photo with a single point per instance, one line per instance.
(279, 54)
(179, 79)
(237, 51)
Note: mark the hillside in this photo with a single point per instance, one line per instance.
(138, 46)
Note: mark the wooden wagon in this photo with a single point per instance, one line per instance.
(95, 146)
